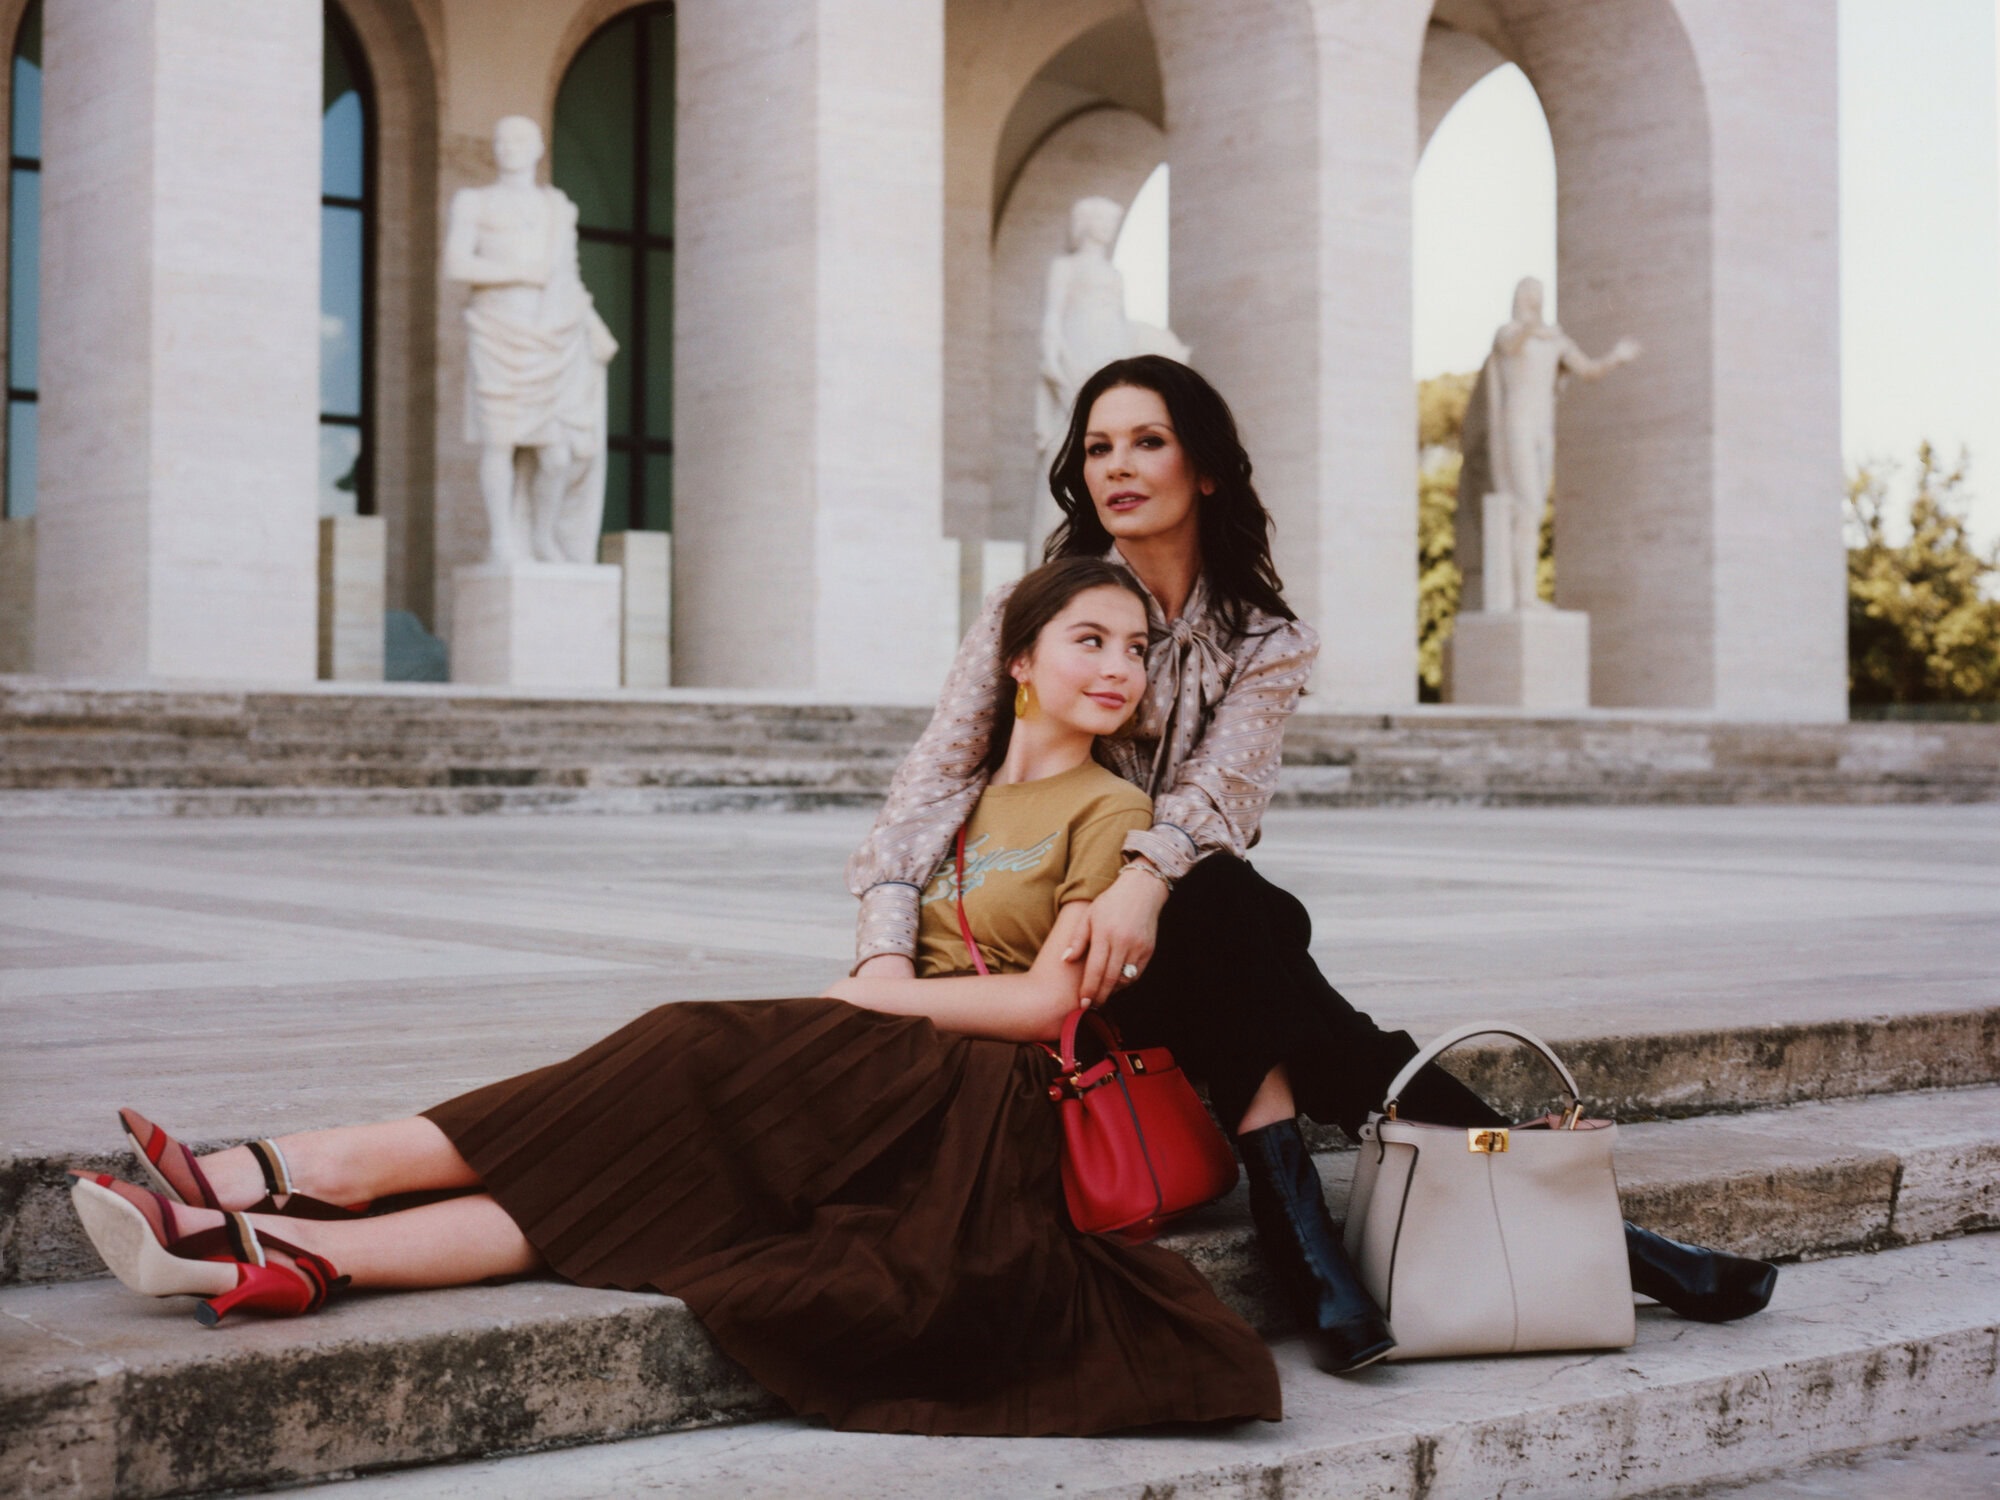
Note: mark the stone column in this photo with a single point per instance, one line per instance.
(180, 317)
(1779, 560)
(808, 363)
(1698, 493)
(1292, 137)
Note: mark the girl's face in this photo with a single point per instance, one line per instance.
(1088, 665)
(1137, 472)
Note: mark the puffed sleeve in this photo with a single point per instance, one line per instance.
(932, 794)
(1216, 799)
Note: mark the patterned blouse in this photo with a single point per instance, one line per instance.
(1203, 743)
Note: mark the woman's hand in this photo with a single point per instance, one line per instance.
(1120, 928)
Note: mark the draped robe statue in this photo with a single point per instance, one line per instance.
(535, 384)
(1509, 443)
(1084, 328)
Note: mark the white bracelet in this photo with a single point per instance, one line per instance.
(1151, 869)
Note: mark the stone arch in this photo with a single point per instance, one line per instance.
(1453, 62)
(1111, 64)
(1628, 117)
(1108, 152)
(398, 38)
(1013, 75)
(584, 23)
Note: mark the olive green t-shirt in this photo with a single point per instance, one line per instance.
(1029, 848)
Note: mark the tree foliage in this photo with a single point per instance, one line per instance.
(1922, 624)
(1441, 403)
(1439, 581)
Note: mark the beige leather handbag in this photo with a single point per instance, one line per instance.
(1491, 1241)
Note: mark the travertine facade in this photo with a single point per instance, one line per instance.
(865, 192)
(176, 534)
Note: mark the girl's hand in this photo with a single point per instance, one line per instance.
(1122, 926)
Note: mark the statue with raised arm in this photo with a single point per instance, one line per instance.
(535, 382)
(1084, 328)
(1509, 443)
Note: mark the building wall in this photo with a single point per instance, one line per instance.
(869, 187)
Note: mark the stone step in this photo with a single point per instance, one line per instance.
(77, 750)
(711, 795)
(1960, 1466)
(1686, 1405)
(106, 1395)
(1630, 1078)
(101, 1382)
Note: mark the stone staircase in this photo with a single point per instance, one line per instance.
(78, 749)
(1870, 1148)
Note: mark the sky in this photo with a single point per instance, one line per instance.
(1919, 226)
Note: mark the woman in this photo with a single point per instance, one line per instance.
(1190, 946)
(858, 1194)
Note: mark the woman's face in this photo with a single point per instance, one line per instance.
(1088, 665)
(1137, 473)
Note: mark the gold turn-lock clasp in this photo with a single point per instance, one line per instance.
(1487, 1141)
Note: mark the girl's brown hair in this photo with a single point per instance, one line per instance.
(1037, 599)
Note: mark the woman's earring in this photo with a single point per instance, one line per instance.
(1024, 701)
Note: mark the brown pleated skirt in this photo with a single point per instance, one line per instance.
(865, 1213)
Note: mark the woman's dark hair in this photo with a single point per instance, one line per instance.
(1037, 599)
(1235, 528)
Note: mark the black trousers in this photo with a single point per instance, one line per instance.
(1233, 991)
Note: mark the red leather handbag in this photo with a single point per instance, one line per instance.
(1139, 1147)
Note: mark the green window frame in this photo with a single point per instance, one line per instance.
(613, 153)
(24, 262)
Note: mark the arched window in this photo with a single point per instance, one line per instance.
(614, 154)
(346, 274)
(24, 259)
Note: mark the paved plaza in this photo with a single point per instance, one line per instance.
(261, 974)
(266, 975)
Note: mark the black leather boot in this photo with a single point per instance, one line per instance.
(1707, 1285)
(1345, 1327)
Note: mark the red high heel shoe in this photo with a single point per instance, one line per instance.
(176, 1172)
(136, 1233)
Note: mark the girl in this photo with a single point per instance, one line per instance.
(1190, 946)
(858, 1194)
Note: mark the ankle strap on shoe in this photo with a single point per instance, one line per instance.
(277, 1172)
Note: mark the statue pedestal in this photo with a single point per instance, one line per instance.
(645, 559)
(536, 625)
(353, 595)
(1537, 658)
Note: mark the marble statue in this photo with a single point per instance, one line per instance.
(535, 382)
(1509, 443)
(1084, 328)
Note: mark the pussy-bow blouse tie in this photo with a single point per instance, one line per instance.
(1185, 671)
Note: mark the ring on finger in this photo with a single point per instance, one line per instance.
(1130, 971)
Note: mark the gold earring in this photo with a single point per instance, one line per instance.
(1024, 701)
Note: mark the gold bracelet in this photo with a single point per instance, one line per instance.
(1146, 865)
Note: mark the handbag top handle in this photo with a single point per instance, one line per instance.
(1451, 1039)
(1082, 1015)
